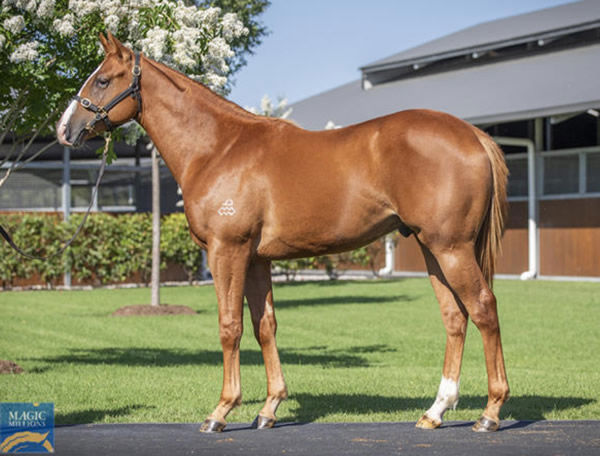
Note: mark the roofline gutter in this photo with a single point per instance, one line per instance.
(372, 68)
(532, 114)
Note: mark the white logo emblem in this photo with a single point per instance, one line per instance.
(227, 208)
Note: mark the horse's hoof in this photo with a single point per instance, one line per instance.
(427, 423)
(485, 424)
(262, 422)
(210, 426)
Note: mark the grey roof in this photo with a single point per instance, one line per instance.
(539, 85)
(532, 85)
(494, 33)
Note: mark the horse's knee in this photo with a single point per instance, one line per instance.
(484, 313)
(230, 332)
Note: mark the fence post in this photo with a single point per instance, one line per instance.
(66, 206)
(155, 281)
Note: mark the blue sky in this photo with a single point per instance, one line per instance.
(315, 45)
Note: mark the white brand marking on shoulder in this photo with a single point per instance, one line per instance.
(227, 208)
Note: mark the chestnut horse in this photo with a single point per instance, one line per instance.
(256, 189)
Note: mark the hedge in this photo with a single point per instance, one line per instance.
(109, 249)
(115, 248)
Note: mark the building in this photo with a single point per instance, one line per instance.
(531, 81)
(61, 180)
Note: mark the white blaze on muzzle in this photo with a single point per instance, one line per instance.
(65, 119)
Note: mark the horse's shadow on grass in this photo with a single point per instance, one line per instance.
(162, 357)
(312, 407)
(93, 415)
(329, 283)
(341, 300)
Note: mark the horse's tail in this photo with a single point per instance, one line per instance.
(488, 245)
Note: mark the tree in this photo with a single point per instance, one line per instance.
(155, 296)
(248, 12)
(269, 109)
(49, 47)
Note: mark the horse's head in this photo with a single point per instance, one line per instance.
(109, 97)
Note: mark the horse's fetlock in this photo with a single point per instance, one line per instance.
(500, 394)
(232, 401)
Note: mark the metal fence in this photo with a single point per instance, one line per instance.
(38, 187)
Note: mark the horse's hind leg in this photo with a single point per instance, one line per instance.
(454, 317)
(259, 294)
(464, 276)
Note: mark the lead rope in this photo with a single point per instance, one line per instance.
(10, 241)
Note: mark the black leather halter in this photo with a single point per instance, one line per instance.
(102, 111)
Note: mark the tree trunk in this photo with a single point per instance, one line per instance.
(155, 281)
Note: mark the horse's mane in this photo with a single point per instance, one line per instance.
(183, 83)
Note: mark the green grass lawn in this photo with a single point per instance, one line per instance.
(351, 351)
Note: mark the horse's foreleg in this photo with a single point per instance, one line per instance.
(464, 276)
(454, 317)
(259, 294)
(228, 265)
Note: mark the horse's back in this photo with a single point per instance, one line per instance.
(349, 186)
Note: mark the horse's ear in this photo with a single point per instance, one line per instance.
(116, 46)
(111, 45)
(104, 43)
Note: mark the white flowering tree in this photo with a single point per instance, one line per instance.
(268, 108)
(48, 47)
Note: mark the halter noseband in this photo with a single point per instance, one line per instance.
(102, 111)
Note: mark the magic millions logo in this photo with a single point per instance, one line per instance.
(26, 427)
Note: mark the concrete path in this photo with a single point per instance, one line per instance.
(515, 438)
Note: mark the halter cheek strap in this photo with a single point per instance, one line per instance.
(102, 111)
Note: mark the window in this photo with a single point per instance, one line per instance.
(32, 189)
(577, 131)
(593, 173)
(517, 179)
(561, 174)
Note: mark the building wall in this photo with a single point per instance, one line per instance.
(570, 237)
(514, 257)
(569, 240)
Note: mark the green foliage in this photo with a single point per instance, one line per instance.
(112, 249)
(291, 267)
(248, 11)
(45, 59)
(176, 246)
(35, 235)
(109, 248)
(334, 265)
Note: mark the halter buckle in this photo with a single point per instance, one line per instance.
(86, 103)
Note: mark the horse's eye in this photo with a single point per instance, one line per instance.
(102, 82)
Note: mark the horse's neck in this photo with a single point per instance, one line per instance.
(185, 120)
